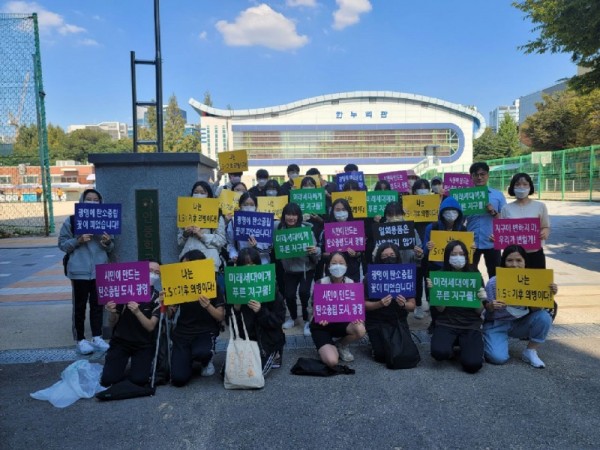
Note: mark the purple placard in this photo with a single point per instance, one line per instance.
(457, 181)
(340, 236)
(398, 180)
(523, 232)
(394, 279)
(341, 179)
(97, 218)
(123, 282)
(339, 302)
(257, 224)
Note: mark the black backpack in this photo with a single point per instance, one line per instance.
(66, 257)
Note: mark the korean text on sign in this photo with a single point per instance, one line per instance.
(339, 302)
(97, 218)
(357, 201)
(185, 282)
(523, 232)
(234, 161)
(340, 236)
(311, 201)
(455, 289)
(457, 181)
(473, 200)
(421, 208)
(255, 224)
(229, 201)
(292, 242)
(441, 238)
(400, 233)
(392, 279)
(342, 178)
(378, 200)
(398, 180)
(273, 205)
(246, 283)
(198, 212)
(123, 282)
(525, 287)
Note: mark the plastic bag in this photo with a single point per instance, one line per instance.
(79, 380)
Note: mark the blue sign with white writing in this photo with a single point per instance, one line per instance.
(392, 279)
(97, 218)
(341, 179)
(256, 224)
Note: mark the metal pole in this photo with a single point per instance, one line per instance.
(158, 60)
(134, 102)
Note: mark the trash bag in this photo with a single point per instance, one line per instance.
(79, 380)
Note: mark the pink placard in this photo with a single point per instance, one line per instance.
(457, 181)
(398, 180)
(523, 232)
(340, 236)
(123, 282)
(340, 302)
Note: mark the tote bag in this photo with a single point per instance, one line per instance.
(400, 350)
(243, 368)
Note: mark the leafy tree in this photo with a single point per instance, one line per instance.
(207, 99)
(148, 134)
(484, 147)
(507, 139)
(188, 144)
(567, 26)
(80, 143)
(26, 143)
(174, 127)
(587, 109)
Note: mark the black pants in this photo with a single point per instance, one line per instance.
(491, 257)
(535, 260)
(292, 280)
(470, 342)
(84, 291)
(419, 285)
(185, 351)
(116, 360)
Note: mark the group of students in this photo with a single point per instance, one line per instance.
(480, 333)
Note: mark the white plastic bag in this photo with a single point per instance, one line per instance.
(79, 380)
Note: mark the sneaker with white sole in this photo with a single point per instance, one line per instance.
(344, 353)
(99, 344)
(288, 324)
(208, 370)
(419, 313)
(307, 329)
(530, 356)
(84, 347)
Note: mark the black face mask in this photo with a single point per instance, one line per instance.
(389, 260)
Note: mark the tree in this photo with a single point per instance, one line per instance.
(174, 127)
(484, 147)
(26, 144)
(567, 26)
(189, 144)
(207, 99)
(507, 139)
(148, 133)
(80, 143)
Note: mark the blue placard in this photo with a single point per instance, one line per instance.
(394, 279)
(257, 224)
(97, 218)
(341, 179)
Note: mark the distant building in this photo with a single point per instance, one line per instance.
(497, 115)
(142, 116)
(527, 102)
(116, 130)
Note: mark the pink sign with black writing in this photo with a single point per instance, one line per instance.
(339, 302)
(123, 282)
(523, 232)
(398, 180)
(457, 181)
(340, 236)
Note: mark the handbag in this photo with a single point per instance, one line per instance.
(243, 366)
(400, 350)
(317, 368)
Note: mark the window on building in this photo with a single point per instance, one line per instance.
(30, 179)
(5, 179)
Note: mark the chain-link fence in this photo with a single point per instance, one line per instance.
(572, 174)
(25, 194)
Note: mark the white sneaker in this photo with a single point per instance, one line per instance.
(307, 329)
(289, 324)
(344, 353)
(530, 356)
(419, 313)
(84, 347)
(208, 370)
(99, 344)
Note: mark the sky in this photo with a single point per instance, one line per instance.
(253, 54)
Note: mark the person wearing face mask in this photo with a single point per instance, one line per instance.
(132, 337)
(272, 188)
(323, 333)
(455, 325)
(521, 187)
(262, 176)
(437, 187)
(521, 322)
(247, 202)
(293, 172)
(85, 251)
(234, 178)
(412, 177)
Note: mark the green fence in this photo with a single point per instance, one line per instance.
(572, 174)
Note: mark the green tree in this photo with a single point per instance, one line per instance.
(80, 143)
(567, 26)
(26, 143)
(174, 127)
(507, 140)
(56, 142)
(484, 147)
(207, 99)
(587, 109)
(148, 134)
(188, 144)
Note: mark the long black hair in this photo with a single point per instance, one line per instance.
(291, 209)
(384, 246)
(449, 247)
(512, 249)
(205, 186)
(346, 205)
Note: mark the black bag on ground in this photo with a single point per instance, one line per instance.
(317, 368)
(400, 350)
(123, 390)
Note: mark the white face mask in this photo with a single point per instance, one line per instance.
(154, 278)
(262, 182)
(91, 201)
(200, 195)
(294, 175)
(395, 219)
(337, 270)
(521, 193)
(450, 216)
(422, 191)
(437, 188)
(271, 193)
(411, 182)
(340, 216)
(457, 261)
(235, 179)
(248, 208)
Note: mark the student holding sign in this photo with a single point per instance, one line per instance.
(324, 332)
(85, 251)
(503, 321)
(196, 328)
(521, 187)
(458, 325)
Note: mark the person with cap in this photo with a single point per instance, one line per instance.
(293, 172)
(85, 252)
(262, 176)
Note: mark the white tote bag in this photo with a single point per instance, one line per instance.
(243, 368)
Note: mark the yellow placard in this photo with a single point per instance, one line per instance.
(525, 287)
(234, 161)
(272, 205)
(198, 212)
(421, 208)
(298, 181)
(185, 282)
(356, 199)
(441, 239)
(229, 201)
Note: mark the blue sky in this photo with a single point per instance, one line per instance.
(252, 54)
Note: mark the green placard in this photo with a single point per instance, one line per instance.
(292, 242)
(146, 222)
(311, 201)
(246, 283)
(473, 200)
(378, 200)
(455, 289)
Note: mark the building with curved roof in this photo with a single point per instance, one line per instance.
(380, 131)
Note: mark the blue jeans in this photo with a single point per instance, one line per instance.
(534, 326)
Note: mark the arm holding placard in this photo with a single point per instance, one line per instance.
(147, 323)
(217, 313)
